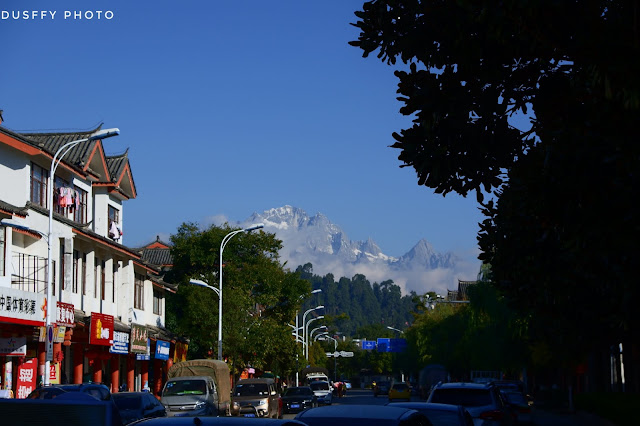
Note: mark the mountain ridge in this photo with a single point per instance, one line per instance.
(316, 240)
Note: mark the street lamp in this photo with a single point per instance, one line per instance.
(57, 158)
(297, 330)
(201, 283)
(304, 316)
(223, 244)
(307, 333)
(395, 329)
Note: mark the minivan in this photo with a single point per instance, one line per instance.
(190, 396)
(256, 398)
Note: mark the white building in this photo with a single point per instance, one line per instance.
(92, 268)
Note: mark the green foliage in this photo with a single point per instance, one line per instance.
(351, 304)
(561, 224)
(260, 298)
(482, 335)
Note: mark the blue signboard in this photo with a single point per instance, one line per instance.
(397, 345)
(383, 344)
(162, 350)
(120, 343)
(368, 345)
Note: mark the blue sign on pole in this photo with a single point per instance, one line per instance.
(397, 345)
(368, 345)
(383, 344)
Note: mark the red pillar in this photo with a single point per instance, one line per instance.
(157, 376)
(115, 373)
(97, 369)
(42, 357)
(131, 373)
(78, 362)
(144, 366)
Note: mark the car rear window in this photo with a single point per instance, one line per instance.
(464, 397)
(320, 386)
(252, 389)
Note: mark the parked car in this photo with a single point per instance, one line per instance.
(138, 405)
(215, 421)
(362, 415)
(96, 390)
(296, 399)
(482, 400)
(399, 391)
(439, 414)
(323, 391)
(520, 406)
(381, 388)
(256, 398)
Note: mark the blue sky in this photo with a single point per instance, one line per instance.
(229, 108)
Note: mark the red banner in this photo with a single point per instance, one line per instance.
(65, 314)
(101, 329)
(26, 378)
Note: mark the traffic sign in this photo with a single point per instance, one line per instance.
(49, 348)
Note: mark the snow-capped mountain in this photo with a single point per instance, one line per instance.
(326, 246)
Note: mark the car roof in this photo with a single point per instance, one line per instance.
(378, 412)
(256, 380)
(216, 421)
(469, 385)
(431, 406)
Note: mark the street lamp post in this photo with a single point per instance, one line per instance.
(297, 330)
(307, 333)
(304, 316)
(57, 158)
(395, 329)
(223, 244)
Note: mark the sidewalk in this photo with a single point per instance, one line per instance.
(543, 417)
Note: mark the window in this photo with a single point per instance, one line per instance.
(103, 282)
(62, 266)
(76, 271)
(113, 281)
(84, 274)
(95, 278)
(157, 302)
(138, 292)
(39, 178)
(62, 198)
(80, 213)
(114, 223)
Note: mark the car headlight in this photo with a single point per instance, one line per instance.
(262, 402)
(200, 404)
(236, 406)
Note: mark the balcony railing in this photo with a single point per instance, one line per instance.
(29, 273)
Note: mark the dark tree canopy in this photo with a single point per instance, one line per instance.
(560, 231)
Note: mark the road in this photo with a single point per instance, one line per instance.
(540, 417)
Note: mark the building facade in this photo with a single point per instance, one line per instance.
(108, 301)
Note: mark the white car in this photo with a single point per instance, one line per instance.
(323, 391)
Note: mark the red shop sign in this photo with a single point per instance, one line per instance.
(26, 378)
(101, 329)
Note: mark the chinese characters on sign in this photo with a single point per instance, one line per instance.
(26, 378)
(162, 350)
(65, 315)
(120, 343)
(139, 337)
(21, 307)
(101, 332)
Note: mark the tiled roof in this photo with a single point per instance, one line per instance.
(463, 289)
(51, 142)
(157, 256)
(11, 209)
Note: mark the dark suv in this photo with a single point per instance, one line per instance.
(97, 390)
(482, 400)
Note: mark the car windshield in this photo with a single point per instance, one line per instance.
(127, 402)
(320, 386)
(185, 387)
(464, 397)
(251, 389)
(298, 391)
